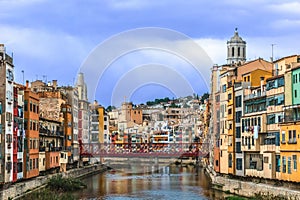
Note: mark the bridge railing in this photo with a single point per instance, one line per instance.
(142, 149)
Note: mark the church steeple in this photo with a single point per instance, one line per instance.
(236, 49)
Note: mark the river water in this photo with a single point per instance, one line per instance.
(167, 182)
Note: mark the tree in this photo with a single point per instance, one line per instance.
(204, 97)
(110, 108)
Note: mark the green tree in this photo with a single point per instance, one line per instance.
(110, 108)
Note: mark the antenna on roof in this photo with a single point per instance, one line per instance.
(272, 58)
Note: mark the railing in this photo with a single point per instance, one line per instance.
(292, 141)
(42, 149)
(143, 150)
(50, 133)
(256, 95)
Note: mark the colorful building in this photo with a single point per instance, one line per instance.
(6, 116)
(290, 129)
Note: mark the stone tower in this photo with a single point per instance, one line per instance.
(236, 50)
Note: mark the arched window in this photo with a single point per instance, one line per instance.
(244, 52)
(232, 51)
(239, 53)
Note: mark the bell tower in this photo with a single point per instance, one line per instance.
(236, 50)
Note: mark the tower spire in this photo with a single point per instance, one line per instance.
(236, 49)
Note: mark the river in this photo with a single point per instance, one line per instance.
(167, 182)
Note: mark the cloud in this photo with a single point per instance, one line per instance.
(286, 24)
(130, 4)
(42, 52)
(286, 7)
(215, 48)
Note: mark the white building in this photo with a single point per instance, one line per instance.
(6, 116)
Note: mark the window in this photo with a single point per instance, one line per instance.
(243, 143)
(293, 78)
(238, 101)
(295, 162)
(292, 137)
(237, 132)
(283, 164)
(277, 139)
(229, 111)
(25, 105)
(295, 93)
(232, 51)
(289, 165)
(277, 163)
(30, 165)
(238, 116)
(239, 164)
(252, 140)
(238, 147)
(34, 108)
(239, 51)
(10, 75)
(230, 160)
(283, 137)
(271, 119)
(19, 167)
(243, 125)
(224, 88)
(217, 163)
(281, 82)
(229, 96)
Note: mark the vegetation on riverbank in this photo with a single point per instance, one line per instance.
(58, 188)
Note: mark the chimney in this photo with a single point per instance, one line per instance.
(54, 84)
(261, 83)
(27, 84)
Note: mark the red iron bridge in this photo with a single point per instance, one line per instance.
(145, 150)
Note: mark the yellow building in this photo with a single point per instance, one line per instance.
(226, 75)
(231, 127)
(290, 150)
(290, 128)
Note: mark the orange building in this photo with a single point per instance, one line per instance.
(31, 127)
(136, 115)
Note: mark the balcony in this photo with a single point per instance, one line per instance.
(42, 149)
(292, 114)
(292, 141)
(47, 132)
(255, 95)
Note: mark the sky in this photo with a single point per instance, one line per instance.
(52, 39)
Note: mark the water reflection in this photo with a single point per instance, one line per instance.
(168, 182)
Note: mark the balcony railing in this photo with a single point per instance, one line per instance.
(42, 149)
(292, 113)
(292, 141)
(256, 95)
(51, 133)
